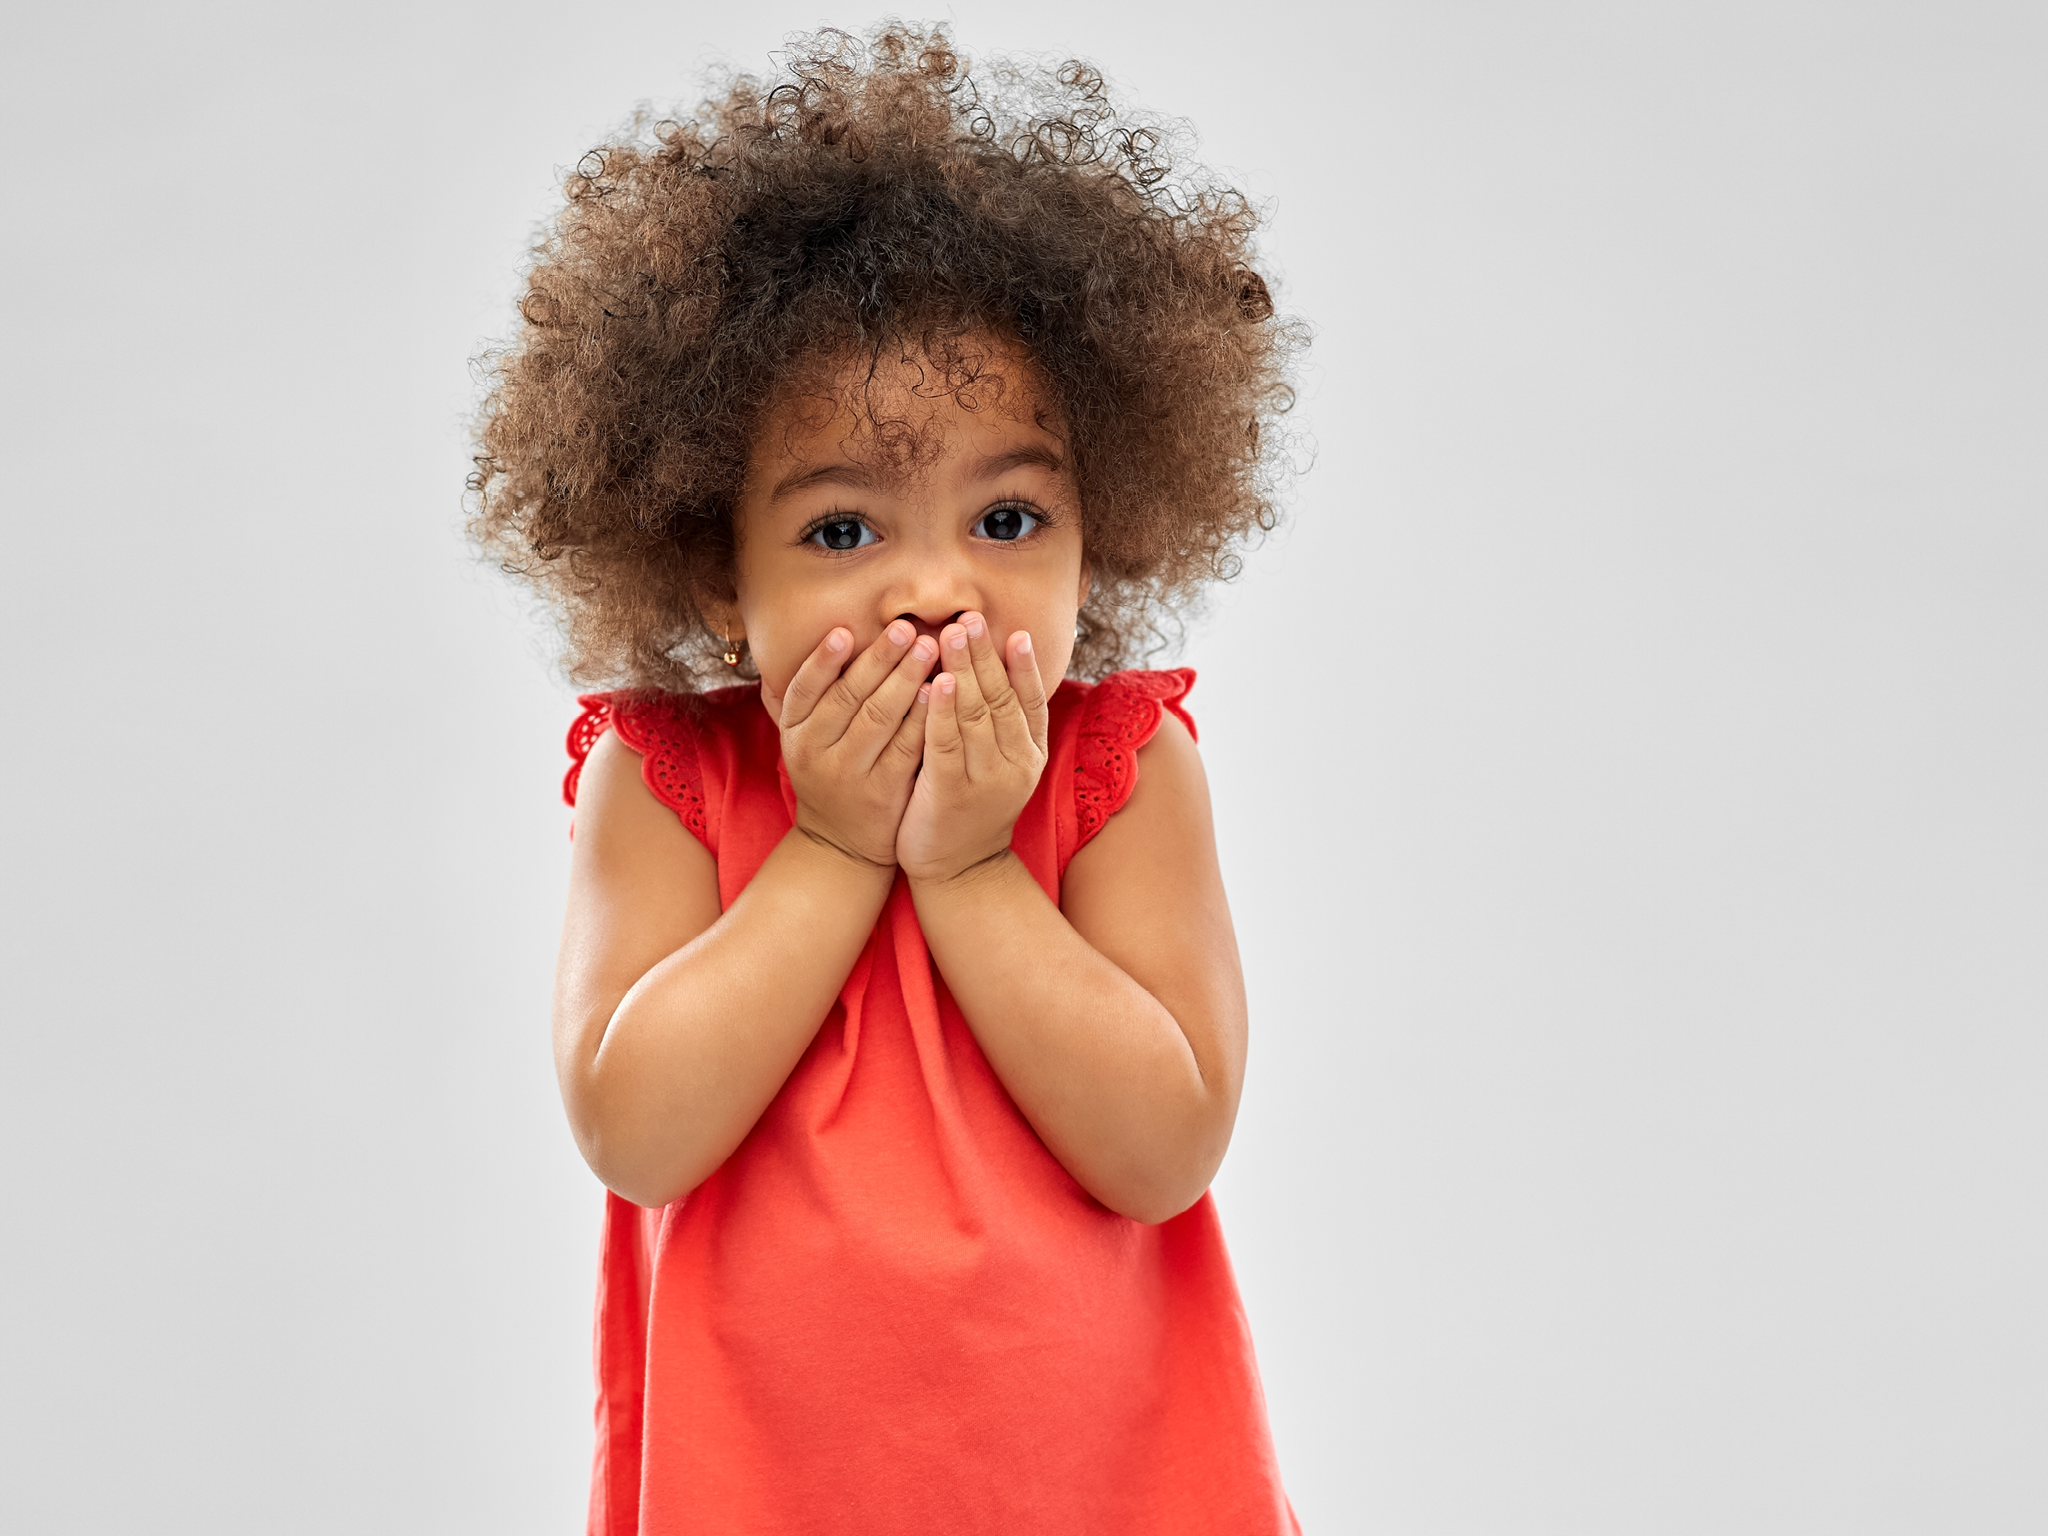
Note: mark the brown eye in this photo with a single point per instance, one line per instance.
(843, 533)
(1005, 524)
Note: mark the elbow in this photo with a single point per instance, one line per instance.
(635, 1160)
(1162, 1200)
(632, 1175)
(649, 1194)
(1174, 1167)
(1160, 1191)
(1150, 1213)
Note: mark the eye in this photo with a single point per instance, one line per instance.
(1006, 524)
(841, 533)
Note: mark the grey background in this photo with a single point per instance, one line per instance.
(1628, 766)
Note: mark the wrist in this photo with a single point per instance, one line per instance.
(830, 853)
(989, 869)
(853, 851)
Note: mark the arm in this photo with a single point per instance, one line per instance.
(676, 1025)
(1118, 1023)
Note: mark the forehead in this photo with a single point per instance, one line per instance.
(903, 413)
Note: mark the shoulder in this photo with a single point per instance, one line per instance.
(637, 864)
(610, 780)
(1164, 799)
(628, 834)
(1145, 887)
(1114, 732)
(1130, 705)
(650, 720)
(657, 744)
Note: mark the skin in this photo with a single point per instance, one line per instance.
(913, 737)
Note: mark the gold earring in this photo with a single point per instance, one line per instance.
(732, 650)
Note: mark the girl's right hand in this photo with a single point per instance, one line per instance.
(853, 736)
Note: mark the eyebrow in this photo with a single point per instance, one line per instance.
(804, 476)
(993, 465)
(989, 466)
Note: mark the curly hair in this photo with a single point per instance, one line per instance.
(878, 195)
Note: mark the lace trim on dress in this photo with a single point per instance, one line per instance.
(1121, 715)
(655, 726)
(595, 720)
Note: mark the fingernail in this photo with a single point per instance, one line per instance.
(924, 694)
(974, 625)
(924, 650)
(837, 640)
(957, 639)
(945, 682)
(900, 633)
(1023, 645)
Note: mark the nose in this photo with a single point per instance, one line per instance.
(933, 578)
(930, 623)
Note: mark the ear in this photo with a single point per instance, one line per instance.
(1087, 580)
(722, 615)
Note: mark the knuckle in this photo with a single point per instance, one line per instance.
(876, 713)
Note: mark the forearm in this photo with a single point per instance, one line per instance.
(662, 1089)
(1104, 1072)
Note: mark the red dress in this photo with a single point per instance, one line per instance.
(891, 1310)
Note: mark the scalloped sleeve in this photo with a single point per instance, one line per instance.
(659, 728)
(1120, 714)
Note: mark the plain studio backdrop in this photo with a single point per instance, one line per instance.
(1629, 763)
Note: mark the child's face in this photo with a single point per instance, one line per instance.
(946, 510)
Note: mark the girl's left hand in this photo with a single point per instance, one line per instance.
(984, 748)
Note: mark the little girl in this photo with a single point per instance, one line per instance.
(898, 1004)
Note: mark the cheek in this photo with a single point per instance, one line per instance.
(777, 656)
(783, 631)
(1055, 656)
(772, 631)
(1051, 624)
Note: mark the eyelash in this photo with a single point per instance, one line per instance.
(812, 529)
(1039, 517)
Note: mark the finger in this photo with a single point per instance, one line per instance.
(844, 700)
(943, 748)
(818, 673)
(906, 749)
(1029, 687)
(882, 716)
(1010, 730)
(982, 756)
